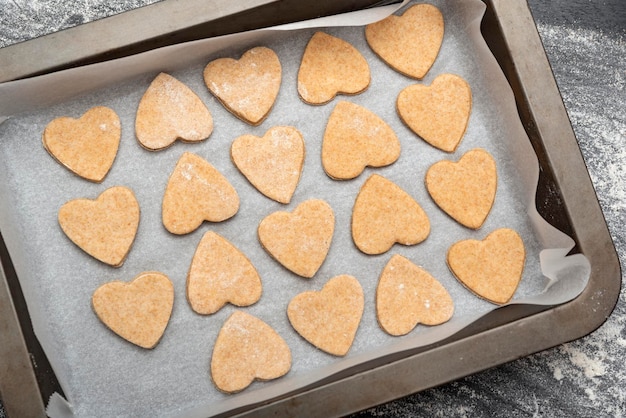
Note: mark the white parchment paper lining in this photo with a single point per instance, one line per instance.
(103, 375)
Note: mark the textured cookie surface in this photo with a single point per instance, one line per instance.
(104, 228)
(169, 110)
(272, 164)
(491, 268)
(438, 113)
(246, 87)
(384, 214)
(408, 295)
(329, 318)
(299, 240)
(356, 138)
(331, 66)
(197, 192)
(220, 274)
(247, 349)
(408, 43)
(86, 146)
(138, 311)
(466, 189)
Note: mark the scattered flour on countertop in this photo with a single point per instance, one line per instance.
(21, 20)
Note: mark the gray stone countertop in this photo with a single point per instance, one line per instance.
(585, 41)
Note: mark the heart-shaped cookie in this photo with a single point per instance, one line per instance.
(408, 295)
(299, 240)
(329, 318)
(86, 146)
(169, 110)
(356, 138)
(246, 87)
(491, 268)
(197, 192)
(465, 190)
(331, 66)
(408, 43)
(438, 113)
(247, 349)
(220, 274)
(104, 228)
(384, 214)
(137, 311)
(272, 164)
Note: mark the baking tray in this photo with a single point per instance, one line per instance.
(565, 197)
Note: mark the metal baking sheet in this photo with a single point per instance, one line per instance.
(561, 170)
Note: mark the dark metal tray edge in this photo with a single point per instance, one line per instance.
(511, 34)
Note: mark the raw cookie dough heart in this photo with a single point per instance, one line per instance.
(408, 43)
(272, 164)
(384, 214)
(329, 318)
(331, 66)
(408, 295)
(246, 87)
(104, 228)
(465, 190)
(491, 268)
(86, 146)
(197, 192)
(356, 138)
(169, 110)
(247, 349)
(137, 311)
(438, 113)
(300, 240)
(219, 274)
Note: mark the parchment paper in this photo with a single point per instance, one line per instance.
(103, 375)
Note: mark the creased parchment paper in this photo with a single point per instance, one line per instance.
(103, 375)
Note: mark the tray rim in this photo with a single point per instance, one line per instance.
(542, 104)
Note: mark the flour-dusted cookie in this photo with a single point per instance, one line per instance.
(86, 146)
(104, 228)
(247, 349)
(169, 110)
(197, 192)
(299, 240)
(220, 273)
(272, 164)
(408, 43)
(331, 66)
(247, 87)
(438, 113)
(384, 214)
(329, 318)
(355, 138)
(491, 268)
(465, 190)
(408, 295)
(138, 311)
